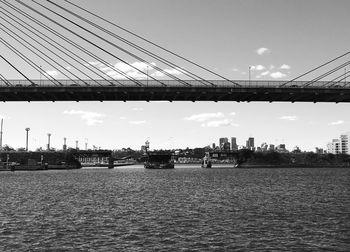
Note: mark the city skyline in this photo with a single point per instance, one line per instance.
(219, 36)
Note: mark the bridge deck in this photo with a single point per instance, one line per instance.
(268, 91)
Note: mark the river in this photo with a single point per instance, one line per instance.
(183, 209)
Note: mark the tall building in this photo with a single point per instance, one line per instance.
(340, 146)
(222, 141)
(334, 146)
(344, 143)
(226, 146)
(250, 143)
(234, 145)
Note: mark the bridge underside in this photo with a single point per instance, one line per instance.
(122, 93)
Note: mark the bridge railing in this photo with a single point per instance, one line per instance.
(174, 83)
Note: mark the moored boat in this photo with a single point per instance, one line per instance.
(159, 160)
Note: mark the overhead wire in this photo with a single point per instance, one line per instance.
(83, 38)
(7, 83)
(74, 44)
(46, 49)
(41, 57)
(152, 43)
(326, 74)
(20, 72)
(51, 42)
(29, 61)
(316, 68)
(139, 48)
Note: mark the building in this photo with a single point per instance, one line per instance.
(281, 148)
(226, 146)
(344, 143)
(334, 146)
(340, 146)
(222, 141)
(234, 145)
(264, 147)
(250, 143)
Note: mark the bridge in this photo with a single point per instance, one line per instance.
(50, 35)
(173, 90)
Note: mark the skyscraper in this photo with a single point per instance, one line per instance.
(250, 143)
(233, 144)
(222, 141)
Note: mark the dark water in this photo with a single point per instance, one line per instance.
(191, 209)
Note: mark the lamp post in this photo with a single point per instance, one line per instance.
(48, 141)
(249, 72)
(64, 143)
(27, 130)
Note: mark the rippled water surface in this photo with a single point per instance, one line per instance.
(184, 209)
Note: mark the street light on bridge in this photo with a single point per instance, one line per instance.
(27, 130)
(249, 73)
(48, 141)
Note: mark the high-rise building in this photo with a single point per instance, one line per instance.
(341, 145)
(250, 143)
(226, 146)
(334, 146)
(222, 141)
(234, 145)
(344, 143)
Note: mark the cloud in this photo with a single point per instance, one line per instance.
(285, 66)
(137, 109)
(204, 117)
(337, 122)
(262, 50)
(91, 118)
(136, 70)
(232, 114)
(52, 72)
(289, 118)
(265, 73)
(137, 122)
(174, 71)
(95, 63)
(122, 118)
(257, 68)
(220, 123)
(278, 75)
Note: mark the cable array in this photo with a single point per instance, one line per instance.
(337, 81)
(69, 41)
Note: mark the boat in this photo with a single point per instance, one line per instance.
(159, 160)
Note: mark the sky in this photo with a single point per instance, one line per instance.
(279, 40)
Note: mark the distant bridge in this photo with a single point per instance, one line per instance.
(172, 90)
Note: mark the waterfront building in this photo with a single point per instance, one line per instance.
(226, 146)
(340, 146)
(344, 143)
(264, 147)
(334, 146)
(222, 141)
(281, 148)
(250, 143)
(234, 145)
